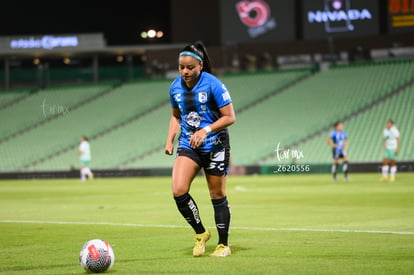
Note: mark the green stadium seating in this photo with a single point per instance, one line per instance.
(7, 97)
(365, 132)
(103, 114)
(312, 105)
(45, 104)
(129, 124)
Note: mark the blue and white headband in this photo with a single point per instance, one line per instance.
(187, 53)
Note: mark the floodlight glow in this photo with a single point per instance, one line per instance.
(151, 33)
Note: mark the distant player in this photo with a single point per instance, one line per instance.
(391, 147)
(84, 151)
(203, 109)
(338, 140)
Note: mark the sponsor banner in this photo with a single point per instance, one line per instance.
(401, 16)
(51, 42)
(339, 18)
(257, 21)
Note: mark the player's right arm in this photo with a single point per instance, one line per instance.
(330, 142)
(172, 131)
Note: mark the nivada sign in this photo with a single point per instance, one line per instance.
(46, 42)
(257, 20)
(340, 18)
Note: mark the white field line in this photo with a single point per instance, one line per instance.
(232, 228)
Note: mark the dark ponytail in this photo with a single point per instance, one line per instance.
(199, 49)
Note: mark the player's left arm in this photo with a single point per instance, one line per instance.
(345, 149)
(228, 117)
(398, 146)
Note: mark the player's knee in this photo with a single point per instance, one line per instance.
(179, 190)
(217, 194)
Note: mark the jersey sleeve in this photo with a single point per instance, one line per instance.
(396, 133)
(173, 101)
(221, 94)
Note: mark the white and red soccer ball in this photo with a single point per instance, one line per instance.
(96, 256)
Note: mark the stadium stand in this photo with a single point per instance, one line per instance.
(246, 90)
(140, 143)
(128, 125)
(43, 105)
(365, 132)
(101, 115)
(312, 105)
(10, 97)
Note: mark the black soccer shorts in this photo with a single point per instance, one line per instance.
(213, 163)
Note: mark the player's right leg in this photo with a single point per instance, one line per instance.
(82, 173)
(184, 171)
(384, 169)
(393, 170)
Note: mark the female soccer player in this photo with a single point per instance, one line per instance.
(391, 147)
(338, 140)
(84, 151)
(202, 107)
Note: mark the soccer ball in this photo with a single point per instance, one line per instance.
(96, 256)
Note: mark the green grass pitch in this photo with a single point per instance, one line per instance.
(281, 224)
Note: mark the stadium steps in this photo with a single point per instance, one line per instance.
(312, 105)
(8, 98)
(247, 90)
(26, 120)
(152, 144)
(130, 102)
(365, 131)
(366, 141)
(119, 138)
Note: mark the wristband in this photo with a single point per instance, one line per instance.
(208, 129)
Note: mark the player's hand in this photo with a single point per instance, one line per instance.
(169, 149)
(197, 138)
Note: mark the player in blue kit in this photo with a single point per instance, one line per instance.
(202, 108)
(338, 140)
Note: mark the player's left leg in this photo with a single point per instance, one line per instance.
(215, 166)
(393, 170)
(345, 167)
(222, 215)
(89, 173)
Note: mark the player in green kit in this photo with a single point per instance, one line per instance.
(391, 148)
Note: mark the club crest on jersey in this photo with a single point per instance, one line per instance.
(193, 119)
(202, 97)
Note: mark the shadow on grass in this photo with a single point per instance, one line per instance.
(235, 249)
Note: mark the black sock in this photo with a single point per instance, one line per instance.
(188, 208)
(345, 169)
(222, 218)
(334, 169)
